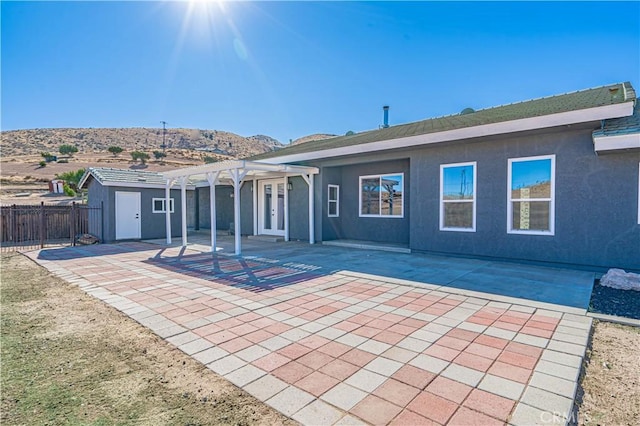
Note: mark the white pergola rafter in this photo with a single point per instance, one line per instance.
(234, 172)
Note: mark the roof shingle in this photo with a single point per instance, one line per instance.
(589, 98)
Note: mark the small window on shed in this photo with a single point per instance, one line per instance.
(159, 205)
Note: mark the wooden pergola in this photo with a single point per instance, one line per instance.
(235, 173)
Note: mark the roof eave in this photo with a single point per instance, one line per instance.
(140, 185)
(524, 124)
(622, 142)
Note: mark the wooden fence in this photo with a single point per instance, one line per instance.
(24, 227)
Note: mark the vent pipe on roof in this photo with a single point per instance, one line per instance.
(385, 123)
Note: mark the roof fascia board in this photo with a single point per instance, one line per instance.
(139, 185)
(616, 142)
(532, 123)
(84, 179)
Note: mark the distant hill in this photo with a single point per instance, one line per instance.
(34, 141)
(315, 137)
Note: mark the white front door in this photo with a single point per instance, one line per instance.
(271, 207)
(127, 215)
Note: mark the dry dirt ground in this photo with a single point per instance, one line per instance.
(26, 167)
(610, 387)
(69, 359)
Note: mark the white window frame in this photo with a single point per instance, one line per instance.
(551, 200)
(171, 205)
(336, 201)
(443, 201)
(379, 215)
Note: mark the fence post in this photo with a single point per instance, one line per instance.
(74, 219)
(42, 225)
(14, 224)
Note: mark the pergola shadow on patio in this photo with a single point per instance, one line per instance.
(543, 284)
(256, 275)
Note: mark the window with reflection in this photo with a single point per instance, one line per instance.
(382, 195)
(333, 208)
(458, 197)
(531, 195)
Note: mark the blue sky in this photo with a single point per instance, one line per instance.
(289, 69)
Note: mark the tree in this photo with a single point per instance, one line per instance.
(115, 150)
(71, 179)
(68, 191)
(159, 154)
(139, 155)
(67, 150)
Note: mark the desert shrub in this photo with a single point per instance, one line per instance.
(67, 149)
(159, 154)
(115, 150)
(64, 160)
(48, 157)
(139, 155)
(208, 159)
(43, 163)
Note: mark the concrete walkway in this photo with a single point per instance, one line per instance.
(344, 347)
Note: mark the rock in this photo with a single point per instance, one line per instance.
(617, 278)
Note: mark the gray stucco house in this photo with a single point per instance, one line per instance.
(552, 180)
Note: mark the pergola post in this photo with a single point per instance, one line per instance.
(167, 209)
(286, 207)
(212, 178)
(312, 238)
(236, 177)
(254, 188)
(309, 180)
(183, 209)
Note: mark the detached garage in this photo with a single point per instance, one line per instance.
(134, 203)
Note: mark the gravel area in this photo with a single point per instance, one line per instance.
(612, 301)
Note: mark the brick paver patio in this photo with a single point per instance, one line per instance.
(342, 348)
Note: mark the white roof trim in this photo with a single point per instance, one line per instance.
(524, 124)
(616, 142)
(130, 184)
(252, 168)
(140, 185)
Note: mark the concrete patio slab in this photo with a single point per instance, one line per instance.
(328, 346)
(509, 279)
